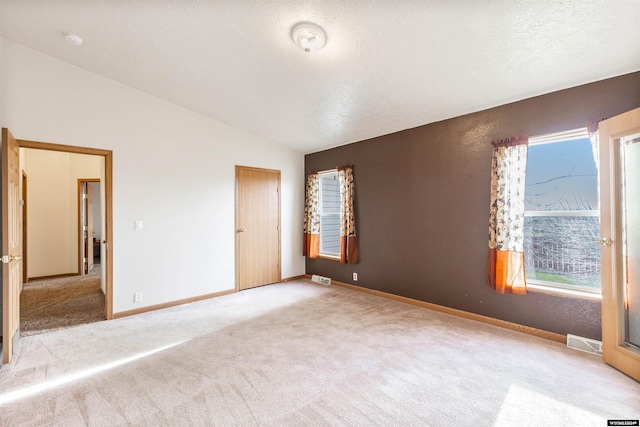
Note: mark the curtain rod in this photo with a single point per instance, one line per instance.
(314, 172)
(508, 142)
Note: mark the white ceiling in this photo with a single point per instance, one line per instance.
(387, 65)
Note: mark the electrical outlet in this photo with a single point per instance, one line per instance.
(355, 277)
(137, 297)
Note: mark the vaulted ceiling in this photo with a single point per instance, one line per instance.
(388, 65)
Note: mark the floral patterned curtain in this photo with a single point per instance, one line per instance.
(505, 270)
(348, 239)
(311, 242)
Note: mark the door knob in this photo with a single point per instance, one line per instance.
(6, 259)
(604, 241)
(241, 230)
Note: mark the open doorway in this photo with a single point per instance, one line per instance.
(90, 218)
(63, 284)
(12, 228)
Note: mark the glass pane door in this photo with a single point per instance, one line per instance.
(619, 140)
(629, 221)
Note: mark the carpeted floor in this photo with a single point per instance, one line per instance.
(52, 304)
(303, 354)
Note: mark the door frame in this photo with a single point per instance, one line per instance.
(107, 240)
(81, 182)
(238, 225)
(25, 192)
(614, 351)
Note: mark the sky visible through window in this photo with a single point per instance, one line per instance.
(561, 176)
(560, 249)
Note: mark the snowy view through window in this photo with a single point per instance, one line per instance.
(562, 221)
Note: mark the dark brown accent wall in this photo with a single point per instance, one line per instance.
(422, 203)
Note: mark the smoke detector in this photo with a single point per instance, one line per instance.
(74, 39)
(309, 37)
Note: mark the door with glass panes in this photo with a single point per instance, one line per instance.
(619, 139)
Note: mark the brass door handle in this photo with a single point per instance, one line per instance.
(6, 259)
(241, 230)
(604, 241)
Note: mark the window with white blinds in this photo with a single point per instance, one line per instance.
(329, 214)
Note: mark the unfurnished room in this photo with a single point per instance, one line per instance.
(320, 213)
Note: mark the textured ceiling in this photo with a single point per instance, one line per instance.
(387, 65)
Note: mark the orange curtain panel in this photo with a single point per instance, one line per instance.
(311, 236)
(348, 238)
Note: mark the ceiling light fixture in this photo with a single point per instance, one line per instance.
(309, 37)
(74, 39)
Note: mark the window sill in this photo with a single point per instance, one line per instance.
(568, 293)
(333, 258)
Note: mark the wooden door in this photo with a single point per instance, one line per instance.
(257, 227)
(82, 232)
(620, 238)
(25, 272)
(89, 232)
(86, 196)
(11, 245)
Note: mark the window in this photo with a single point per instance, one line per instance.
(329, 214)
(562, 221)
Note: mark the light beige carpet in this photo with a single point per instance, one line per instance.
(52, 304)
(302, 354)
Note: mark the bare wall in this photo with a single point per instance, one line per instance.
(422, 200)
(172, 169)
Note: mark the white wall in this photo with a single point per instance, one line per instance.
(172, 169)
(48, 215)
(52, 208)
